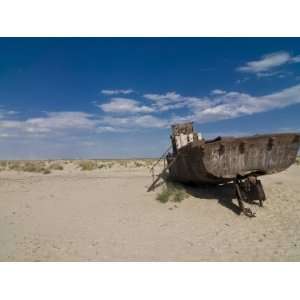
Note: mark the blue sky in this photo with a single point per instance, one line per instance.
(102, 98)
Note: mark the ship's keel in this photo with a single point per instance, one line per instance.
(248, 189)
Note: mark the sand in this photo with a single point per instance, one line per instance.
(107, 215)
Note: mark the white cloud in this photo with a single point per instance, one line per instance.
(218, 92)
(268, 62)
(295, 59)
(134, 122)
(117, 92)
(101, 129)
(6, 113)
(169, 101)
(54, 122)
(148, 121)
(121, 114)
(170, 96)
(124, 105)
(223, 105)
(70, 124)
(235, 104)
(60, 120)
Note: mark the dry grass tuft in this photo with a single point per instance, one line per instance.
(38, 166)
(138, 164)
(56, 166)
(88, 165)
(3, 165)
(164, 195)
(109, 165)
(15, 165)
(34, 167)
(172, 192)
(27, 166)
(123, 163)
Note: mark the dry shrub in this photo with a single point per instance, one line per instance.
(123, 163)
(172, 192)
(56, 166)
(28, 166)
(34, 167)
(138, 164)
(15, 166)
(164, 195)
(87, 165)
(3, 164)
(109, 165)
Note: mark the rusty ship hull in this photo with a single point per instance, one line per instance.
(225, 159)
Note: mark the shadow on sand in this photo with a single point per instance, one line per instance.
(224, 194)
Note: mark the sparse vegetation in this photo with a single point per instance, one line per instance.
(123, 163)
(34, 167)
(14, 165)
(164, 195)
(56, 166)
(88, 165)
(298, 160)
(109, 165)
(138, 164)
(30, 166)
(40, 166)
(179, 194)
(3, 164)
(172, 192)
(26, 166)
(149, 162)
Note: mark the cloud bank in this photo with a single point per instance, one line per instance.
(122, 114)
(267, 63)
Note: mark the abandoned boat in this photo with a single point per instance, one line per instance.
(195, 160)
(226, 159)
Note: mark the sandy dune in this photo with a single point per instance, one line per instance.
(107, 215)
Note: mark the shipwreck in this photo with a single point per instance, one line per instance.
(241, 160)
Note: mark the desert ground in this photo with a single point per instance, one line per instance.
(101, 211)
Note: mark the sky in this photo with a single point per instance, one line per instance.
(117, 97)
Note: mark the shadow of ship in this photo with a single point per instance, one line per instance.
(224, 194)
